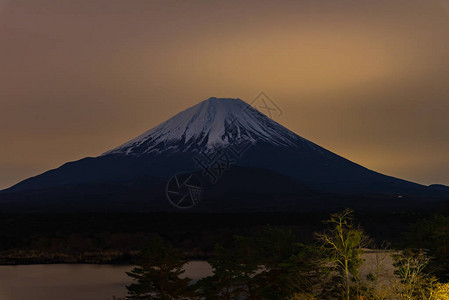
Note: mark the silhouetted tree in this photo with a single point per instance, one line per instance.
(234, 270)
(269, 266)
(157, 274)
(433, 236)
(286, 264)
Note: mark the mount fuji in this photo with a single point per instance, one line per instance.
(246, 160)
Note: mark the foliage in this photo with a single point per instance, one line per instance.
(377, 285)
(281, 263)
(342, 245)
(432, 235)
(233, 271)
(269, 266)
(413, 282)
(157, 274)
(440, 291)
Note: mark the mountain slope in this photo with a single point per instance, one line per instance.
(219, 133)
(213, 123)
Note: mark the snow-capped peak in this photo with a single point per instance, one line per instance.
(212, 123)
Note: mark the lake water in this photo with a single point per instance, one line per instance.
(74, 282)
(102, 282)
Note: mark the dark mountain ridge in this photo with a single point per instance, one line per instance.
(208, 139)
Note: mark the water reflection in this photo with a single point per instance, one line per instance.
(74, 282)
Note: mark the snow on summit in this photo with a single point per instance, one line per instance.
(212, 123)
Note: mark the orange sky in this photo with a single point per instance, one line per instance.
(368, 80)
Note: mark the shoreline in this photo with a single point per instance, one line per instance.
(23, 258)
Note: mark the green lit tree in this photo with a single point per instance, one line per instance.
(414, 283)
(342, 246)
